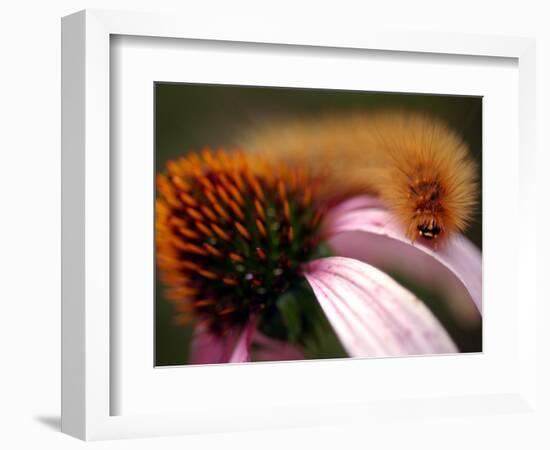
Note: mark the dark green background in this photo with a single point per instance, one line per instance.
(191, 116)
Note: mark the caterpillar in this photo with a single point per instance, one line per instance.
(420, 168)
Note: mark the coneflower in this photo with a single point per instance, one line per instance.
(235, 233)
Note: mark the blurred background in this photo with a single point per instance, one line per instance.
(189, 117)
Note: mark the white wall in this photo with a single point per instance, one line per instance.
(29, 218)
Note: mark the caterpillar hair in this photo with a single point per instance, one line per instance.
(415, 163)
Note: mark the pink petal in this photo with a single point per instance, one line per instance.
(372, 314)
(269, 349)
(372, 235)
(241, 353)
(209, 348)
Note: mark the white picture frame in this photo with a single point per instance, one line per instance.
(87, 328)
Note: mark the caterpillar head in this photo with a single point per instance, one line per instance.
(429, 230)
(429, 219)
(440, 201)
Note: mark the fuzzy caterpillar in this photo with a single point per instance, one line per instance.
(416, 164)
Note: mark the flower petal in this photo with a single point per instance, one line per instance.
(241, 352)
(269, 349)
(209, 348)
(372, 314)
(372, 235)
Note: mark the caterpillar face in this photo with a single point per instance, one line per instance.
(429, 231)
(426, 195)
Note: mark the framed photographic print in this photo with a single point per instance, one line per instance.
(254, 224)
(291, 185)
